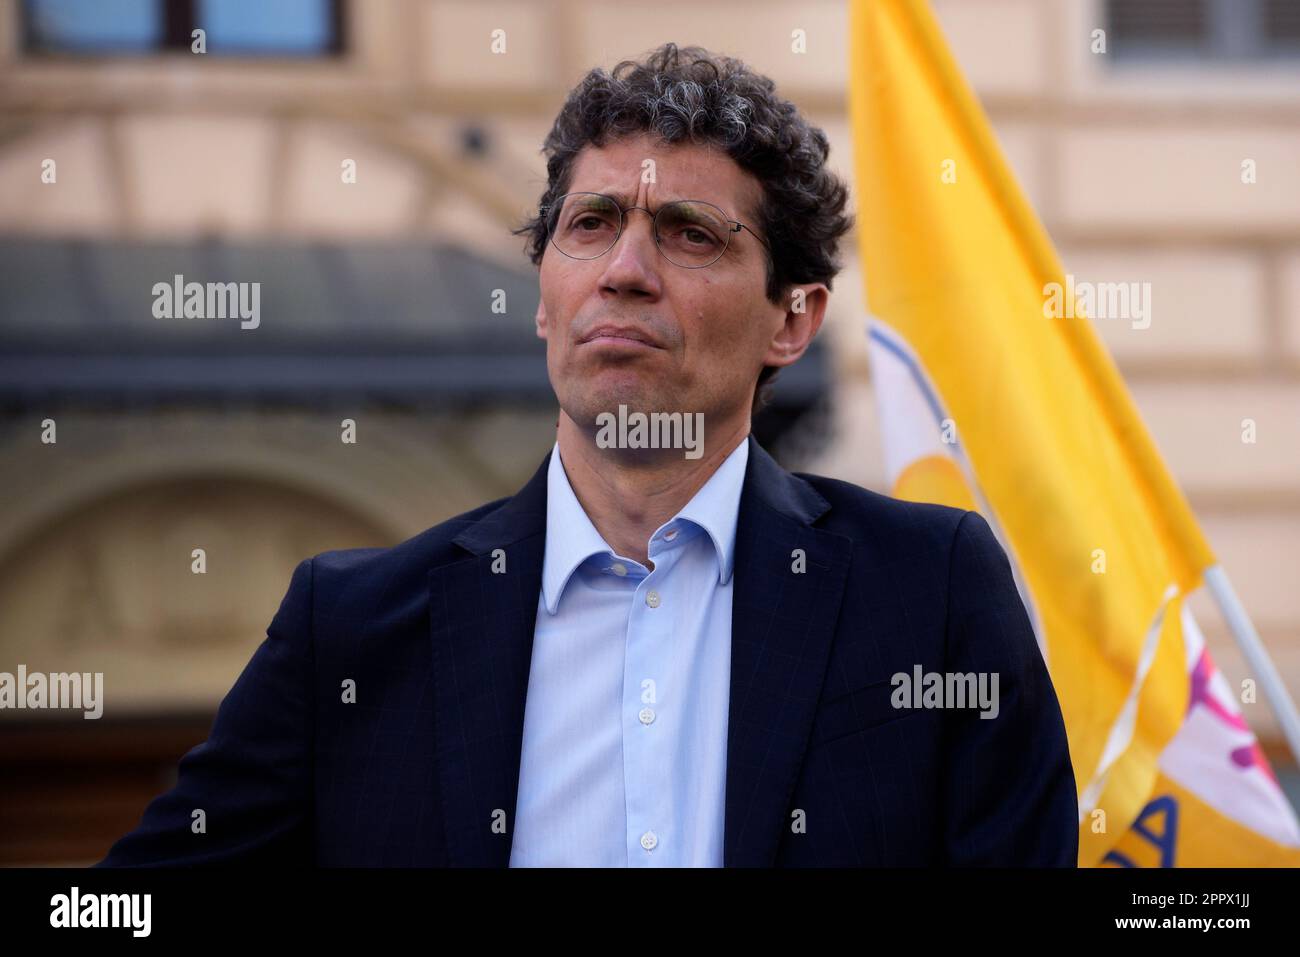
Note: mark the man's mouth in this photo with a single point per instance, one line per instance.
(625, 336)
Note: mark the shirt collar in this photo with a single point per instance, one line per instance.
(716, 505)
(571, 538)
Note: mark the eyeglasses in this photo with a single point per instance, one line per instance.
(689, 232)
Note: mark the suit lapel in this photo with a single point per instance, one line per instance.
(481, 622)
(782, 624)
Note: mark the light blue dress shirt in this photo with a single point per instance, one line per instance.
(624, 760)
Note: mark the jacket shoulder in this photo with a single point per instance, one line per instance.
(428, 544)
(389, 582)
(866, 516)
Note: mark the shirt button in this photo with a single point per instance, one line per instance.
(618, 568)
(652, 599)
(649, 841)
(670, 534)
(647, 715)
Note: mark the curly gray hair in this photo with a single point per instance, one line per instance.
(689, 94)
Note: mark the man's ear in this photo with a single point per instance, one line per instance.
(540, 319)
(805, 308)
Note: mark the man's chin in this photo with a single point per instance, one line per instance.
(591, 415)
(606, 393)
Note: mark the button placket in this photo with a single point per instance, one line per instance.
(649, 643)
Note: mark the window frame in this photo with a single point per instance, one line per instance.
(179, 20)
(1234, 34)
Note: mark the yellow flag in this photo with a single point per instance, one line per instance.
(995, 394)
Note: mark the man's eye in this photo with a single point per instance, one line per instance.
(698, 237)
(588, 223)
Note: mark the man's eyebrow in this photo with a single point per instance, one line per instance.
(625, 201)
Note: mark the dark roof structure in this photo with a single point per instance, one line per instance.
(396, 321)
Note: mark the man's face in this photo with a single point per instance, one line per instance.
(709, 330)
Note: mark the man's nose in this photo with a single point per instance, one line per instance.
(633, 261)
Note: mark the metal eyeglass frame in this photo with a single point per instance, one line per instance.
(735, 224)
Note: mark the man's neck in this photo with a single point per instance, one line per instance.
(628, 494)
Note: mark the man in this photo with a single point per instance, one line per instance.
(651, 656)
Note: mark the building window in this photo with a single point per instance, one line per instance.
(1225, 30)
(241, 28)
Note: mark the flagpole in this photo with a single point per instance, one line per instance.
(1243, 629)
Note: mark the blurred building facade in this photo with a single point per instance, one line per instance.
(380, 291)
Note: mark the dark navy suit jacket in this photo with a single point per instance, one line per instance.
(438, 645)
